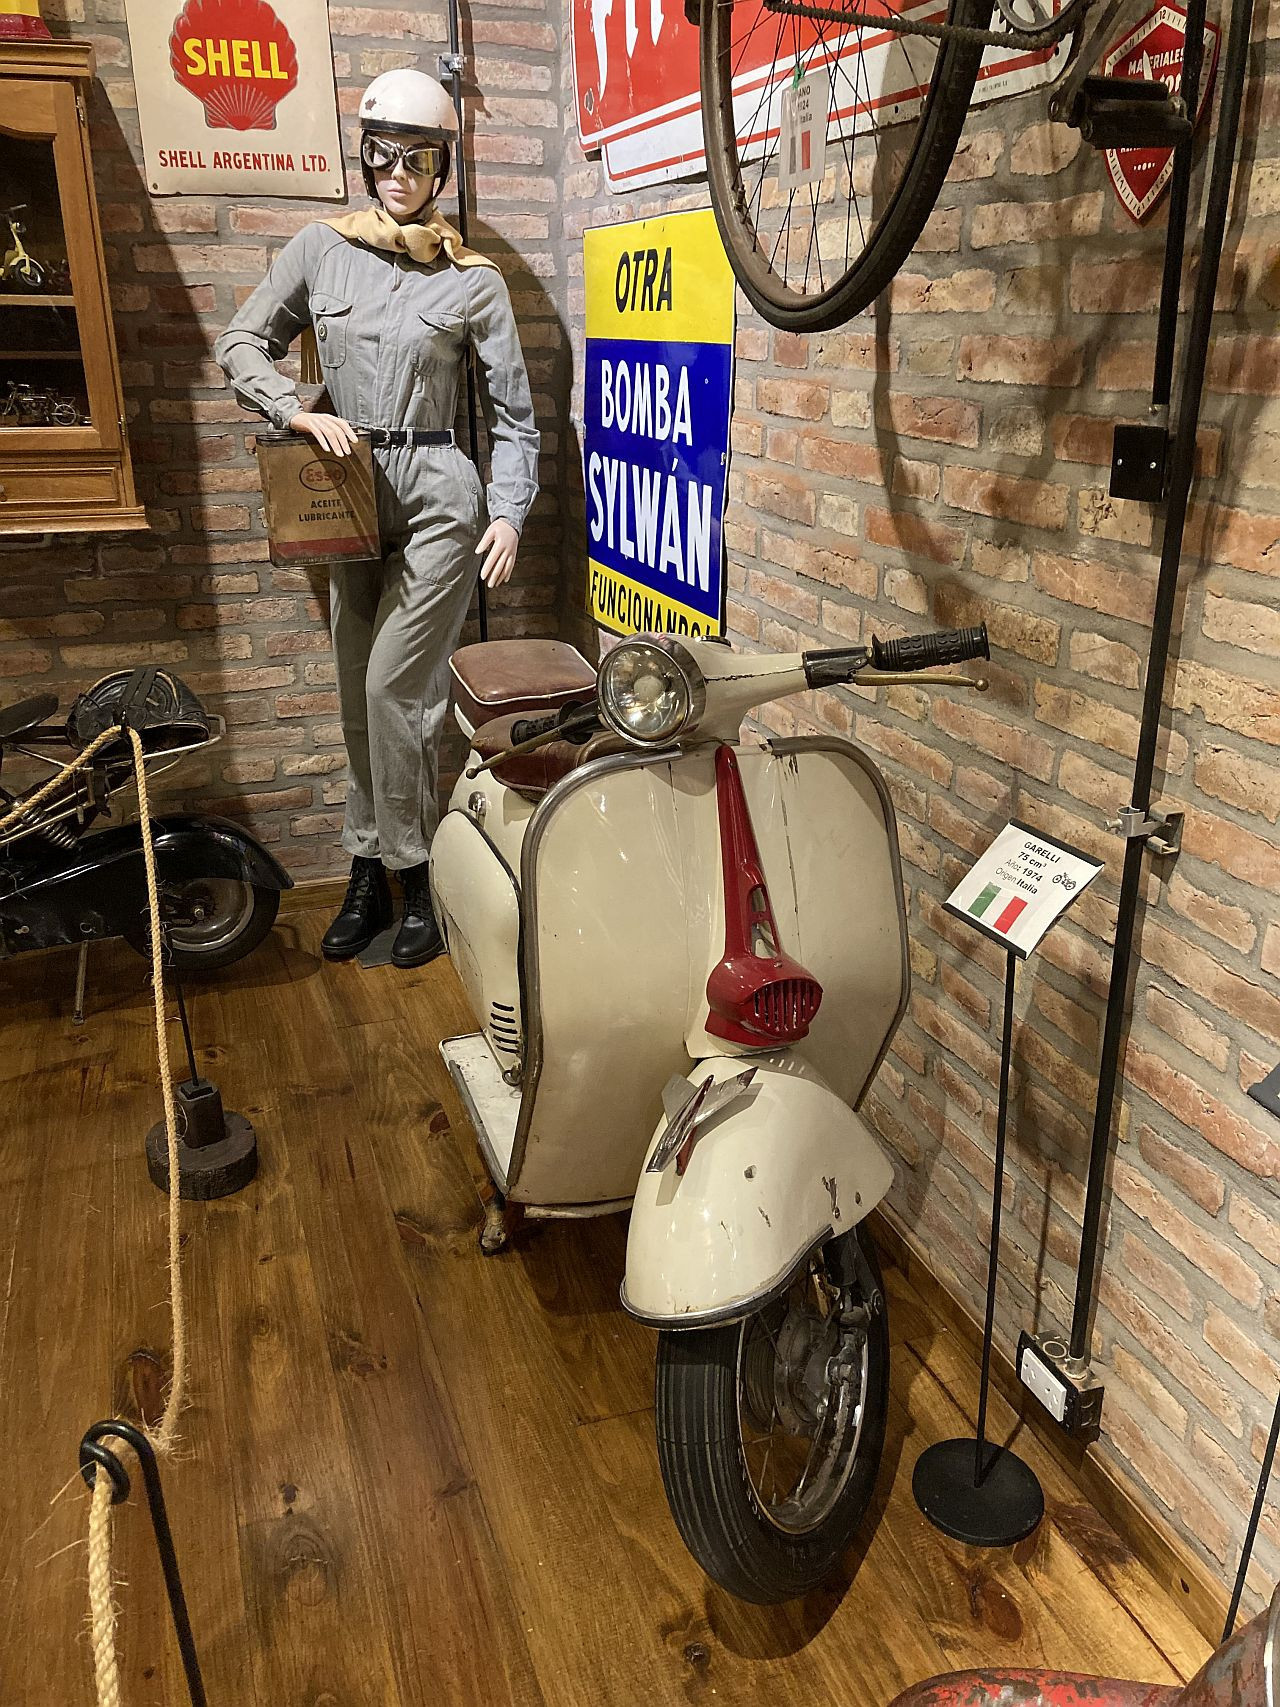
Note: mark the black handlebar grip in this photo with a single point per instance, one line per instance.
(526, 728)
(928, 651)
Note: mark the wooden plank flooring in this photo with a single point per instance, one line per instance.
(411, 1476)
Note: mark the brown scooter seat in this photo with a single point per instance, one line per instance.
(532, 774)
(498, 678)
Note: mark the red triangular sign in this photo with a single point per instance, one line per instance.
(1152, 50)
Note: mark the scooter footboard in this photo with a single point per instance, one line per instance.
(776, 1174)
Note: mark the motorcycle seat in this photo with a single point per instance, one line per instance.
(532, 774)
(500, 678)
(27, 714)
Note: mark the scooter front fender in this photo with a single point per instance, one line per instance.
(777, 1174)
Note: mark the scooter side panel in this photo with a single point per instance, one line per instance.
(606, 973)
(501, 813)
(843, 845)
(475, 897)
(777, 1173)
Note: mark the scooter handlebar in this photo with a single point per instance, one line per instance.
(928, 651)
(571, 723)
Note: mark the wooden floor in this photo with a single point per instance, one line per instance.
(411, 1475)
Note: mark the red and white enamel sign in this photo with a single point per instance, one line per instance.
(1152, 50)
(236, 97)
(635, 68)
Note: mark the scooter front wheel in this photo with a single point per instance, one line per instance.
(209, 921)
(771, 1430)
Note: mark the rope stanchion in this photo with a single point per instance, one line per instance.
(102, 1609)
(97, 1460)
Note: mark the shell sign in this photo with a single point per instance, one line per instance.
(236, 97)
(237, 59)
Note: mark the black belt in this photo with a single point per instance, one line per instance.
(406, 436)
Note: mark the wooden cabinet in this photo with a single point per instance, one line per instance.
(64, 460)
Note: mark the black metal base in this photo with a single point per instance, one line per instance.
(1006, 1505)
(217, 1152)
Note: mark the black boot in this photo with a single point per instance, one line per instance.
(365, 911)
(418, 939)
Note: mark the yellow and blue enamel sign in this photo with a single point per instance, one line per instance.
(659, 395)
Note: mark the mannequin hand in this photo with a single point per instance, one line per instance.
(501, 541)
(331, 432)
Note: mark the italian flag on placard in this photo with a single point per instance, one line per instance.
(996, 918)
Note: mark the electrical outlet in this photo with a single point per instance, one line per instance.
(1063, 1384)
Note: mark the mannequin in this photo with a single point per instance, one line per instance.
(394, 300)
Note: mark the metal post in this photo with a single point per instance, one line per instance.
(997, 1203)
(985, 1498)
(186, 1034)
(82, 974)
(1196, 346)
(1246, 1552)
(1175, 242)
(451, 66)
(94, 1457)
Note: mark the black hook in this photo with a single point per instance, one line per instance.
(94, 1457)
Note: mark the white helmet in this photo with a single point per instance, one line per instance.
(408, 100)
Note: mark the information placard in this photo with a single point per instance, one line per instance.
(1020, 886)
(656, 409)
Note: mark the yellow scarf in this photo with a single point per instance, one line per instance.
(423, 239)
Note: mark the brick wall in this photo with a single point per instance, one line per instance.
(940, 460)
(944, 459)
(196, 590)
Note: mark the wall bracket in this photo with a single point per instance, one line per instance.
(1162, 834)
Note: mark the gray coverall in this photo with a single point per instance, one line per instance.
(392, 337)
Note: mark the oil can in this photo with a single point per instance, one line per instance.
(319, 508)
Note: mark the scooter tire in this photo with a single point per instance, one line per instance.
(704, 1465)
(188, 956)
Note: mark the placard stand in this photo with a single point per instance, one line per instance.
(970, 1490)
(1013, 893)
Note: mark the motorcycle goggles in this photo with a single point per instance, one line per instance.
(420, 159)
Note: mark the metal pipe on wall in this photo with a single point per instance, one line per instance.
(451, 65)
(1182, 465)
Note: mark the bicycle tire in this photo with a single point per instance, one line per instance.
(897, 229)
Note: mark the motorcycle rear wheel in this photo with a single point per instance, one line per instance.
(823, 1379)
(210, 922)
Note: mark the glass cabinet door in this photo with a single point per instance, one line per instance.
(56, 378)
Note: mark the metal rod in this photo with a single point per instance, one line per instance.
(1260, 1494)
(186, 1033)
(94, 1457)
(1195, 351)
(1175, 242)
(462, 177)
(82, 973)
(997, 1199)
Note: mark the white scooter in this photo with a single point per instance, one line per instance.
(657, 922)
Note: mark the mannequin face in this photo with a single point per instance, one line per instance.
(403, 193)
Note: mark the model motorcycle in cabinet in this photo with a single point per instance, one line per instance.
(687, 955)
(63, 882)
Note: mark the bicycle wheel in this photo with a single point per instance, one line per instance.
(812, 258)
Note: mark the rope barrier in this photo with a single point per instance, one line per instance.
(102, 1609)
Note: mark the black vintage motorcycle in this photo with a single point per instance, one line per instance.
(219, 888)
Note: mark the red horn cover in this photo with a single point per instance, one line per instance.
(758, 995)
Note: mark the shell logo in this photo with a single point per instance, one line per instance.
(236, 58)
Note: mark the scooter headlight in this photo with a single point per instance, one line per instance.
(650, 690)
